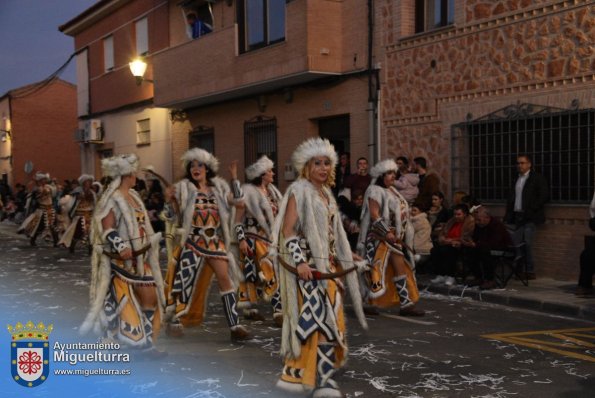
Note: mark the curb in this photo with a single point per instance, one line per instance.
(503, 297)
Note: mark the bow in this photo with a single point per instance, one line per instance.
(317, 275)
(135, 253)
(393, 244)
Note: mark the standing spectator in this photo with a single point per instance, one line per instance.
(587, 261)
(141, 189)
(456, 234)
(489, 234)
(20, 201)
(360, 180)
(342, 172)
(5, 190)
(350, 214)
(525, 208)
(422, 238)
(406, 182)
(428, 183)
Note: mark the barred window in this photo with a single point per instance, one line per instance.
(202, 137)
(260, 138)
(560, 143)
(143, 132)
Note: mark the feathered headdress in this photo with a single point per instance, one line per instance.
(258, 168)
(85, 177)
(382, 167)
(201, 156)
(312, 148)
(120, 165)
(40, 176)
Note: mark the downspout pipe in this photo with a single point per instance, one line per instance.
(373, 142)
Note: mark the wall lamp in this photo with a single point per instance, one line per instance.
(138, 67)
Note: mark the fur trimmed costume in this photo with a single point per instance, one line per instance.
(79, 210)
(42, 214)
(259, 277)
(384, 287)
(115, 306)
(313, 341)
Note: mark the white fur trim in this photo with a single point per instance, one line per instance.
(85, 177)
(201, 156)
(258, 168)
(312, 148)
(120, 165)
(382, 167)
(295, 388)
(40, 176)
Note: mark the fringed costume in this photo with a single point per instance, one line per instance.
(42, 215)
(204, 235)
(79, 208)
(117, 310)
(384, 287)
(259, 278)
(314, 342)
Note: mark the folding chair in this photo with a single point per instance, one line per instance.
(510, 262)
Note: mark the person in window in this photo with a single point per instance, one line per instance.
(127, 298)
(386, 239)
(200, 204)
(196, 27)
(253, 224)
(312, 249)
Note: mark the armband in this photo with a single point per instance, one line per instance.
(297, 255)
(380, 228)
(240, 234)
(236, 189)
(115, 241)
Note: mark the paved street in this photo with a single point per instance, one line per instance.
(445, 354)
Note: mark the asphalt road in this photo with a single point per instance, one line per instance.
(462, 348)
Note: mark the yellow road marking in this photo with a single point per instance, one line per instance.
(538, 340)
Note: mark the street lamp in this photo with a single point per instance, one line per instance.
(5, 134)
(138, 67)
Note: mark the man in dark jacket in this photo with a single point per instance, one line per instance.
(525, 207)
(429, 183)
(489, 234)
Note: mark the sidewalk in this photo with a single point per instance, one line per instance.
(545, 295)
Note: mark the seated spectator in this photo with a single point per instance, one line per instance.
(587, 261)
(422, 241)
(406, 182)
(196, 27)
(438, 214)
(456, 234)
(489, 234)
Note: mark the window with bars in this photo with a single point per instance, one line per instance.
(560, 142)
(202, 137)
(143, 132)
(260, 138)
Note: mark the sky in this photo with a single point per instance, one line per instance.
(31, 46)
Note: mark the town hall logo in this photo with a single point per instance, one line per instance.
(30, 353)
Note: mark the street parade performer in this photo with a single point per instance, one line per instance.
(79, 208)
(386, 237)
(203, 205)
(127, 298)
(40, 210)
(253, 223)
(313, 255)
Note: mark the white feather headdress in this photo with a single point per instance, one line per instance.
(40, 176)
(312, 148)
(201, 156)
(258, 168)
(382, 167)
(120, 165)
(85, 177)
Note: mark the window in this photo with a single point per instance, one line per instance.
(560, 142)
(260, 138)
(143, 132)
(198, 17)
(142, 37)
(262, 23)
(108, 53)
(202, 137)
(433, 14)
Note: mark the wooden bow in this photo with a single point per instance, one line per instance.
(317, 275)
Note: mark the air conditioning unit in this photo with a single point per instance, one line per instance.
(93, 130)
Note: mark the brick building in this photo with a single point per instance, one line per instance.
(115, 114)
(37, 124)
(471, 83)
(257, 86)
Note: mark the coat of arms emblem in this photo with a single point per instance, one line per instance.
(30, 353)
